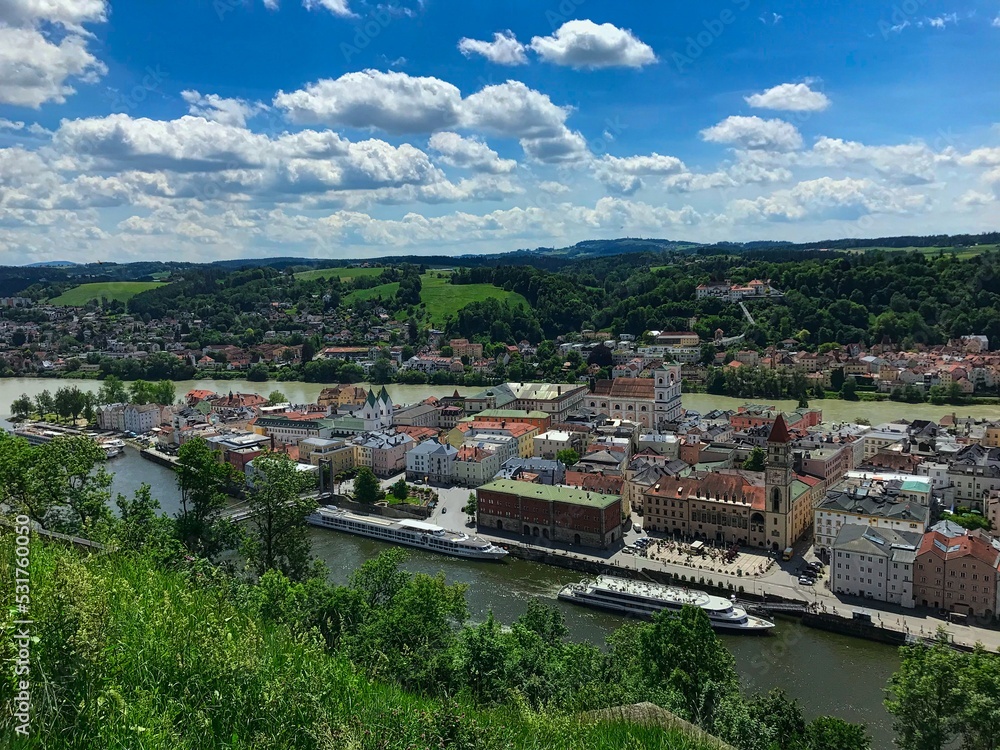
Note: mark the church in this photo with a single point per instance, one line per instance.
(651, 402)
(376, 411)
(737, 507)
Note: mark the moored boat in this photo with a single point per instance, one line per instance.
(641, 599)
(411, 533)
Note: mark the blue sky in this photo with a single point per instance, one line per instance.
(203, 129)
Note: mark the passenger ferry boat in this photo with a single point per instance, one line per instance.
(410, 533)
(642, 599)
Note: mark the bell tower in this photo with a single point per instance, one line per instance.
(778, 484)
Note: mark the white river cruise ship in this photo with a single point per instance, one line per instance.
(410, 533)
(642, 599)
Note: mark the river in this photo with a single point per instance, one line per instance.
(834, 410)
(828, 674)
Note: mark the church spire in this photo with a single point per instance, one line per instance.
(779, 431)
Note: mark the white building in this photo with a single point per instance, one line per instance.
(141, 418)
(548, 444)
(112, 417)
(874, 563)
(667, 404)
(868, 504)
(431, 461)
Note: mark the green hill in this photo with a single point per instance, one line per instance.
(121, 291)
(443, 300)
(131, 655)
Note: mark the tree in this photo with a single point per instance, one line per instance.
(112, 391)
(756, 460)
(258, 373)
(471, 507)
(278, 538)
(381, 371)
(924, 696)
(72, 484)
(44, 404)
(568, 457)
(400, 490)
(366, 486)
(837, 378)
(204, 482)
(276, 397)
(979, 684)
(849, 391)
(831, 733)
(163, 393)
(141, 527)
(22, 407)
(685, 657)
(69, 402)
(141, 392)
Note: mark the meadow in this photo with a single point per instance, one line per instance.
(122, 291)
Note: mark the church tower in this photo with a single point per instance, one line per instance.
(667, 395)
(778, 485)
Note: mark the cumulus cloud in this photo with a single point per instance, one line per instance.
(585, 44)
(391, 101)
(469, 153)
(827, 198)
(35, 70)
(227, 111)
(503, 50)
(512, 109)
(755, 133)
(790, 97)
(907, 163)
(623, 175)
(44, 46)
(6, 124)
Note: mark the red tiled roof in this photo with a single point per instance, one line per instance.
(779, 431)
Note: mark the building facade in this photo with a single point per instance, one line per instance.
(543, 512)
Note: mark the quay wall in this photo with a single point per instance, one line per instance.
(401, 512)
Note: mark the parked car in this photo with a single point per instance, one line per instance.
(806, 581)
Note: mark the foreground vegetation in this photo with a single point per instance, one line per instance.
(192, 632)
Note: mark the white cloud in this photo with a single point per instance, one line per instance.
(394, 102)
(755, 133)
(227, 111)
(6, 124)
(996, 22)
(622, 175)
(35, 70)
(790, 97)
(37, 63)
(469, 153)
(512, 109)
(905, 163)
(337, 7)
(827, 198)
(974, 199)
(271, 4)
(70, 14)
(553, 188)
(585, 44)
(503, 50)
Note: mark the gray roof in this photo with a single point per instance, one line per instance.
(857, 537)
(863, 501)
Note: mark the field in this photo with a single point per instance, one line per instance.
(343, 273)
(962, 253)
(121, 291)
(385, 291)
(443, 300)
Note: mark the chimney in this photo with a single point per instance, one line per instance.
(558, 390)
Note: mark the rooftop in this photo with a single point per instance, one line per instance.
(551, 494)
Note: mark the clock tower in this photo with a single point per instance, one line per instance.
(778, 476)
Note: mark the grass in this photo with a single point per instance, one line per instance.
(122, 291)
(384, 291)
(962, 253)
(342, 273)
(132, 655)
(444, 300)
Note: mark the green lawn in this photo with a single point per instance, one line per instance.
(343, 273)
(385, 291)
(122, 291)
(444, 300)
(962, 253)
